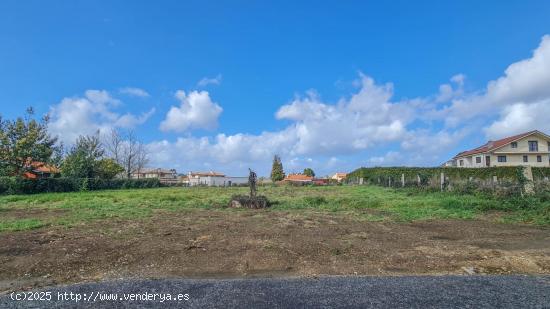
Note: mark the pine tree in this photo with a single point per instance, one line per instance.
(277, 172)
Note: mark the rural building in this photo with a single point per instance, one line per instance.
(321, 181)
(339, 176)
(41, 170)
(214, 179)
(298, 179)
(531, 148)
(184, 180)
(165, 176)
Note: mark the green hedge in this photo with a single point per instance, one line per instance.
(510, 180)
(540, 173)
(510, 173)
(14, 185)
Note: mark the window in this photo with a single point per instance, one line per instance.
(461, 162)
(539, 158)
(478, 159)
(514, 144)
(533, 146)
(548, 146)
(525, 158)
(501, 158)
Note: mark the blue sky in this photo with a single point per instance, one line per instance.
(331, 85)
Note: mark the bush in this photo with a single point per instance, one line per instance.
(14, 185)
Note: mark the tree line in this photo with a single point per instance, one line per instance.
(26, 141)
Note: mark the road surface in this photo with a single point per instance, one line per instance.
(323, 292)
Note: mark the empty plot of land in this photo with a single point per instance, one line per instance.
(184, 232)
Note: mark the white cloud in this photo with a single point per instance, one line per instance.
(85, 115)
(447, 92)
(425, 147)
(521, 117)
(524, 82)
(196, 111)
(367, 118)
(131, 121)
(390, 158)
(135, 92)
(210, 81)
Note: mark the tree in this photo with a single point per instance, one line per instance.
(142, 157)
(24, 141)
(277, 172)
(113, 142)
(83, 158)
(126, 150)
(108, 168)
(133, 155)
(309, 172)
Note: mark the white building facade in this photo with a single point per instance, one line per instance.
(214, 179)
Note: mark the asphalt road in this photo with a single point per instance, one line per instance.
(324, 292)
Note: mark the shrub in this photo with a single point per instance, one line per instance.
(14, 185)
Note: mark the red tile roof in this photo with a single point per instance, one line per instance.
(297, 177)
(40, 168)
(491, 145)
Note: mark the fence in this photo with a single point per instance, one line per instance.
(500, 180)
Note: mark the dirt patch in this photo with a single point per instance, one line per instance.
(249, 243)
(33, 213)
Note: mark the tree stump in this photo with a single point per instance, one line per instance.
(252, 201)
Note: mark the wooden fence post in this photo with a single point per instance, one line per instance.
(402, 180)
(442, 181)
(361, 180)
(418, 180)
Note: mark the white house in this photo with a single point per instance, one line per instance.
(339, 176)
(531, 148)
(214, 179)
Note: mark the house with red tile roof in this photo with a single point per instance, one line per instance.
(41, 170)
(298, 178)
(530, 148)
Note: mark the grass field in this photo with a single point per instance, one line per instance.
(371, 203)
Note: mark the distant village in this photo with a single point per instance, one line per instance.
(217, 179)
